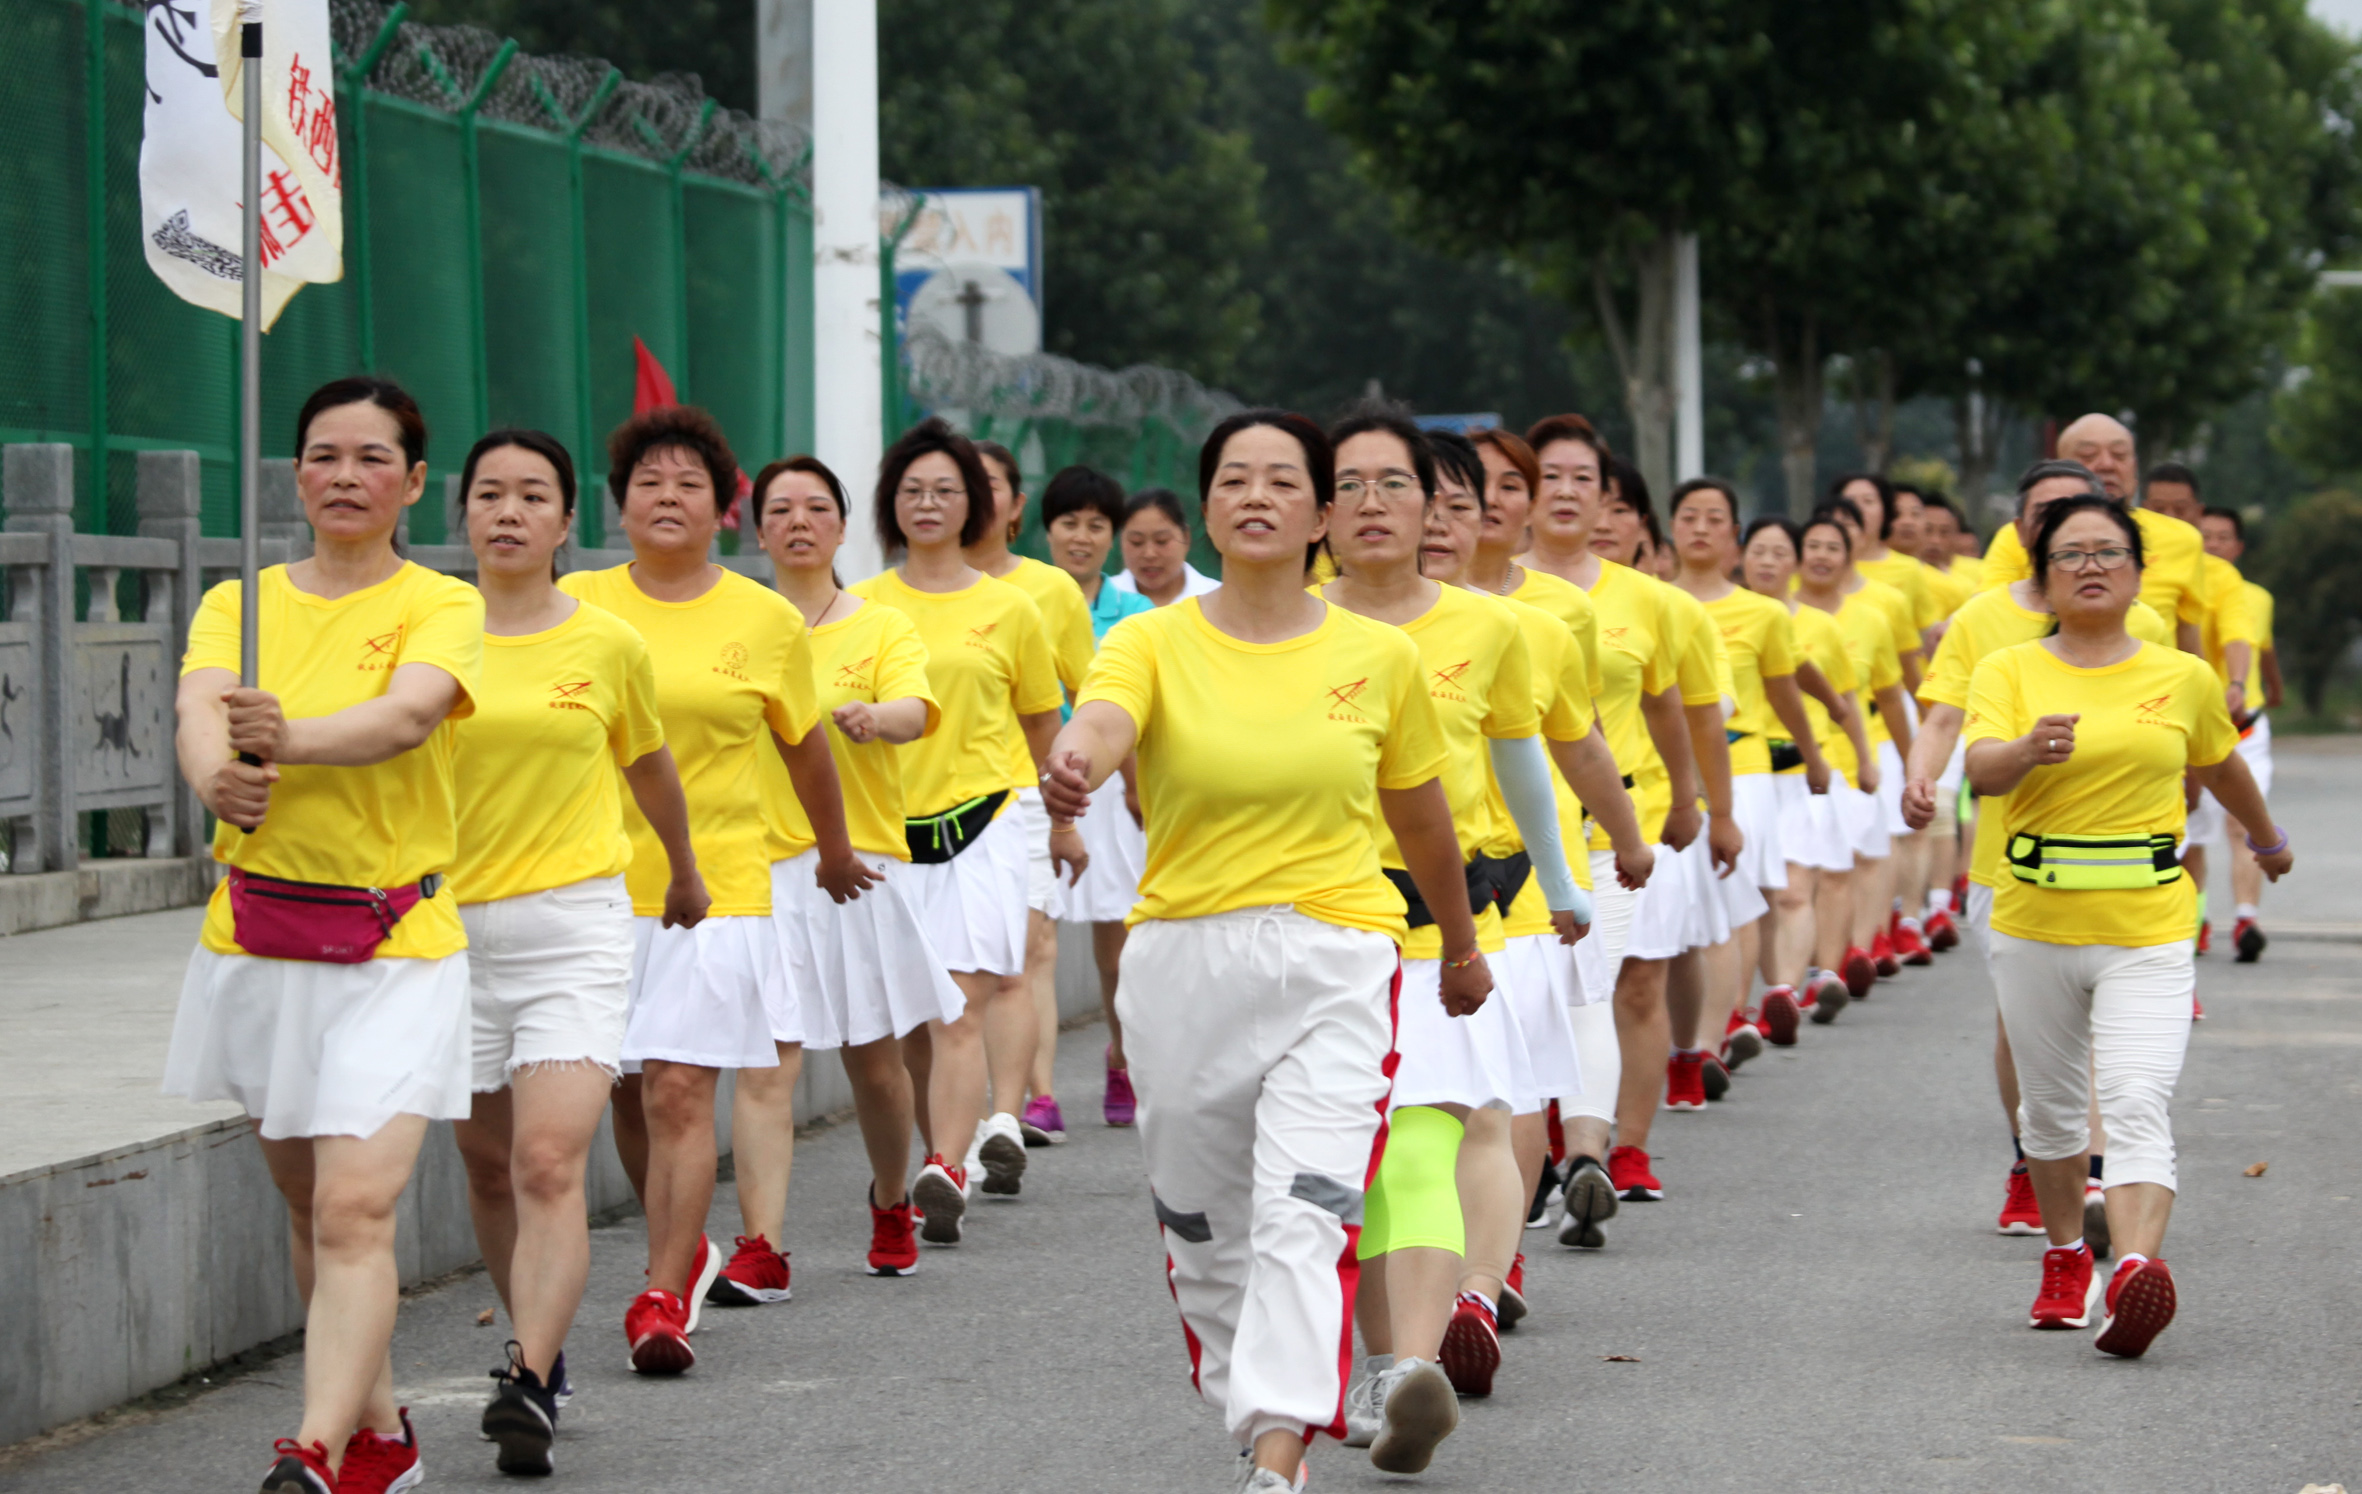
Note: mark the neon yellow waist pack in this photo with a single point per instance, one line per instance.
(2087, 863)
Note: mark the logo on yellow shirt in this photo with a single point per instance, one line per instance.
(381, 652)
(1612, 635)
(2152, 712)
(1342, 698)
(981, 637)
(855, 676)
(1447, 681)
(733, 661)
(566, 695)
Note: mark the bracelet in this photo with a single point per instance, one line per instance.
(2273, 849)
(1464, 961)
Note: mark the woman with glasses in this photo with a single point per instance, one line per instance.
(2083, 739)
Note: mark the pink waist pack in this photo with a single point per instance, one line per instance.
(282, 920)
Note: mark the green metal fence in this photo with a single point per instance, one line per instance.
(511, 223)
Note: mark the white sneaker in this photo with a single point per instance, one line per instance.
(1421, 1410)
(1257, 1480)
(1000, 1150)
(1365, 1414)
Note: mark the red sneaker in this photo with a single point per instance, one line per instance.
(1781, 1016)
(1909, 945)
(1942, 933)
(1471, 1346)
(893, 1247)
(756, 1274)
(704, 1267)
(377, 1464)
(1960, 891)
(1859, 972)
(1741, 1039)
(1882, 957)
(2020, 1214)
(299, 1470)
(2205, 937)
(1513, 1294)
(1628, 1174)
(2140, 1305)
(941, 1197)
(1685, 1082)
(2249, 940)
(1555, 1129)
(2068, 1290)
(1829, 996)
(657, 1327)
(2197, 1008)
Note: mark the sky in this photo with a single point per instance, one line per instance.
(2346, 15)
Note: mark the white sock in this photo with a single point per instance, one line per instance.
(1486, 1302)
(2077, 1245)
(1939, 900)
(2247, 910)
(2131, 1260)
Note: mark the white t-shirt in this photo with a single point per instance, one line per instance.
(1194, 582)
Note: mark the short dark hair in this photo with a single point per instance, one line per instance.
(2055, 514)
(1729, 494)
(1455, 456)
(1566, 428)
(541, 443)
(1840, 508)
(933, 434)
(810, 465)
(1513, 447)
(1372, 416)
(2171, 472)
(1886, 499)
(1164, 500)
(674, 428)
(1628, 487)
(1077, 490)
(2050, 467)
(2238, 524)
(1937, 502)
(1781, 522)
(994, 451)
(366, 389)
(1826, 515)
(1320, 458)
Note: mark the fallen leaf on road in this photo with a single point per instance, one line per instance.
(2322, 1489)
(2256, 1169)
(484, 1318)
(1635, 1359)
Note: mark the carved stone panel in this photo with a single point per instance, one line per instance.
(119, 728)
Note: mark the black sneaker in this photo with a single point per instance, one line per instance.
(523, 1417)
(1716, 1079)
(560, 1386)
(1545, 1194)
(1590, 1197)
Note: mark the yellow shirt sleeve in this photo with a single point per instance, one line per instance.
(1567, 715)
(901, 669)
(1510, 708)
(1123, 674)
(445, 627)
(1948, 673)
(1037, 671)
(638, 729)
(2212, 736)
(1698, 645)
(1413, 750)
(792, 704)
(1775, 653)
(213, 631)
(1993, 708)
(2145, 623)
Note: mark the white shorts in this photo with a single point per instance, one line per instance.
(1110, 885)
(1863, 822)
(1611, 923)
(549, 978)
(2205, 825)
(1810, 834)
(716, 996)
(867, 969)
(313, 1049)
(1980, 919)
(1041, 878)
(1890, 790)
(1763, 859)
(973, 906)
(1538, 978)
(1444, 1060)
(2256, 747)
(1677, 910)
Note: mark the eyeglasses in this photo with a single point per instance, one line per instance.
(2109, 558)
(918, 493)
(1390, 487)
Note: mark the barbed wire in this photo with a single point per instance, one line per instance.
(665, 118)
(949, 375)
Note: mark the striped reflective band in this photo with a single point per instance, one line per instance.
(2082, 863)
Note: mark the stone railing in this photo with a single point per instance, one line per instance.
(86, 701)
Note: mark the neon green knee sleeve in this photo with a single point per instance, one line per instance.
(1415, 1199)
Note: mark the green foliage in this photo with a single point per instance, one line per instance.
(2312, 565)
(2318, 420)
(712, 38)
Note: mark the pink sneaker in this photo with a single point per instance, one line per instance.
(1119, 1108)
(1041, 1124)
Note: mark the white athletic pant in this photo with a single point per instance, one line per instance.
(1602, 1058)
(2074, 1010)
(1262, 1049)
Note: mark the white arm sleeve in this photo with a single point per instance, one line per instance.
(1523, 770)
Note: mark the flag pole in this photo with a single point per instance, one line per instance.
(250, 361)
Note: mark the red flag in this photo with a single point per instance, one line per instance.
(652, 389)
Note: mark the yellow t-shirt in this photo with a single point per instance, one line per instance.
(1066, 618)
(733, 669)
(1867, 626)
(1907, 575)
(1562, 696)
(1260, 763)
(1991, 622)
(1637, 657)
(1818, 640)
(872, 656)
(1877, 599)
(2227, 620)
(1760, 642)
(2173, 580)
(1948, 589)
(1571, 605)
(1968, 570)
(381, 826)
(2144, 721)
(988, 662)
(2259, 615)
(540, 804)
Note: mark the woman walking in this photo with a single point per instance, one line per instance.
(1155, 539)
(328, 993)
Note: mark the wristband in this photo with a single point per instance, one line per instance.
(1464, 961)
(2273, 849)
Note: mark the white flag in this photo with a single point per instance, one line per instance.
(189, 172)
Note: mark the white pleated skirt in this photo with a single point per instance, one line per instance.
(974, 905)
(1810, 833)
(1452, 1060)
(1864, 823)
(718, 996)
(1678, 910)
(1763, 857)
(866, 968)
(1538, 977)
(1110, 886)
(314, 1049)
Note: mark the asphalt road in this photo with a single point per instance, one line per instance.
(1819, 1304)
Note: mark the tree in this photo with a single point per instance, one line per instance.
(2312, 564)
(713, 39)
(2318, 420)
